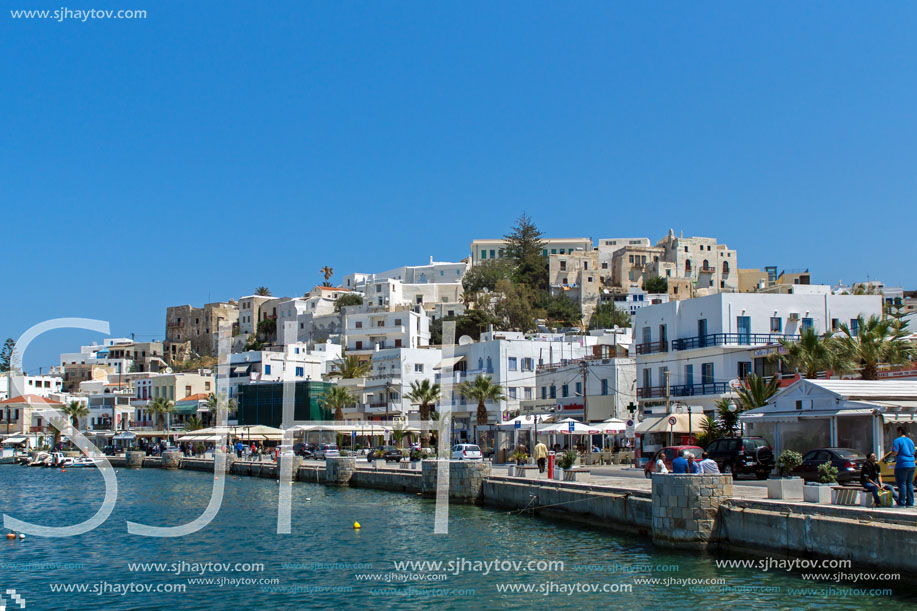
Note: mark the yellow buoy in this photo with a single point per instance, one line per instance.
(356, 525)
(10, 535)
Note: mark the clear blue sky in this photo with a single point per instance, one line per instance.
(217, 146)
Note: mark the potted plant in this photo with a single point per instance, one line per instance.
(820, 491)
(786, 486)
(564, 461)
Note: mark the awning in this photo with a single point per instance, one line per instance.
(450, 361)
(905, 417)
(660, 424)
(15, 440)
(125, 436)
(185, 407)
(240, 370)
(893, 404)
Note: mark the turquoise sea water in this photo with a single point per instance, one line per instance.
(326, 564)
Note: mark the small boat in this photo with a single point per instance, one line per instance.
(41, 459)
(78, 463)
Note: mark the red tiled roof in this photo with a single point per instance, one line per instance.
(30, 399)
(201, 396)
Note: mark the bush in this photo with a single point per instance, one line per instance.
(827, 473)
(788, 461)
(520, 457)
(567, 459)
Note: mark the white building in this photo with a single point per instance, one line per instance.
(382, 394)
(434, 287)
(707, 343)
(293, 362)
(41, 385)
(490, 249)
(609, 386)
(607, 248)
(634, 299)
(366, 330)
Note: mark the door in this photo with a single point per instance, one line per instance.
(702, 332)
(743, 326)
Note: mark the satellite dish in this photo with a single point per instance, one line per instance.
(465, 340)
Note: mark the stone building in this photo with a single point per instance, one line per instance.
(197, 327)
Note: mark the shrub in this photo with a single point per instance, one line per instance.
(827, 473)
(520, 457)
(567, 459)
(788, 461)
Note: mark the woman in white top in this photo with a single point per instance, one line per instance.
(660, 465)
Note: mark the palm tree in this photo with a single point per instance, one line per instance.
(193, 423)
(263, 291)
(349, 367)
(327, 272)
(481, 390)
(336, 399)
(876, 341)
(425, 395)
(810, 354)
(217, 405)
(160, 406)
(756, 391)
(74, 411)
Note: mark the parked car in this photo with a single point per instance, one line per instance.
(386, 453)
(668, 454)
(743, 456)
(326, 450)
(108, 450)
(887, 469)
(848, 463)
(466, 451)
(302, 449)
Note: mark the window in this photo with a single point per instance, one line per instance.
(398, 320)
(706, 373)
(528, 364)
(528, 392)
(647, 377)
(630, 259)
(835, 324)
(490, 365)
(419, 299)
(380, 323)
(358, 346)
(807, 323)
(565, 390)
(493, 254)
(397, 343)
(553, 392)
(358, 324)
(300, 372)
(647, 335)
(563, 266)
(776, 324)
(687, 266)
(604, 387)
(544, 392)
(512, 363)
(744, 368)
(512, 392)
(267, 370)
(206, 385)
(689, 375)
(483, 254)
(854, 326)
(418, 367)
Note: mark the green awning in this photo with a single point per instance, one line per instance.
(185, 407)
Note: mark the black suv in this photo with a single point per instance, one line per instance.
(742, 456)
(302, 449)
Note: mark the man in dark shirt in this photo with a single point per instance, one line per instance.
(871, 479)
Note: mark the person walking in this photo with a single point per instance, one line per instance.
(540, 455)
(708, 465)
(871, 479)
(903, 451)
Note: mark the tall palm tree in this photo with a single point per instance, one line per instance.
(810, 354)
(217, 405)
(327, 272)
(160, 406)
(336, 399)
(481, 390)
(756, 391)
(876, 341)
(425, 394)
(350, 366)
(263, 291)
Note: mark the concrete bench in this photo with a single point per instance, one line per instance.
(852, 495)
(527, 471)
(577, 474)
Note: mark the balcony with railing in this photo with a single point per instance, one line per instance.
(729, 339)
(651, 347)
(683, 390)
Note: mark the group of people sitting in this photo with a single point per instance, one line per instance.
(686, 463)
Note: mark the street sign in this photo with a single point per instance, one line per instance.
(571, 426)
(517, 425)
(629, 431)
(673, 420)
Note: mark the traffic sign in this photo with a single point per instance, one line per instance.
(517, 424)
(673, 420)
(571, 426)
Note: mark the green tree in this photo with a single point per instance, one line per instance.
(349, 367)
(562, 311)
(608, 316)
(757, 392)
(425, 394)
(348, 299)
(216, 405)
(6, 354)
(327, 272)
(481, 390)
(193, 423)
(876, 341)
(263, 291)
(253, 343)
(514, 309)
(809, 355)
(710, 431)
(525, 248)
(335, 399)
(656, 284)
(472, 323)
(161, 407)
(485, 275)
(75, 411)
